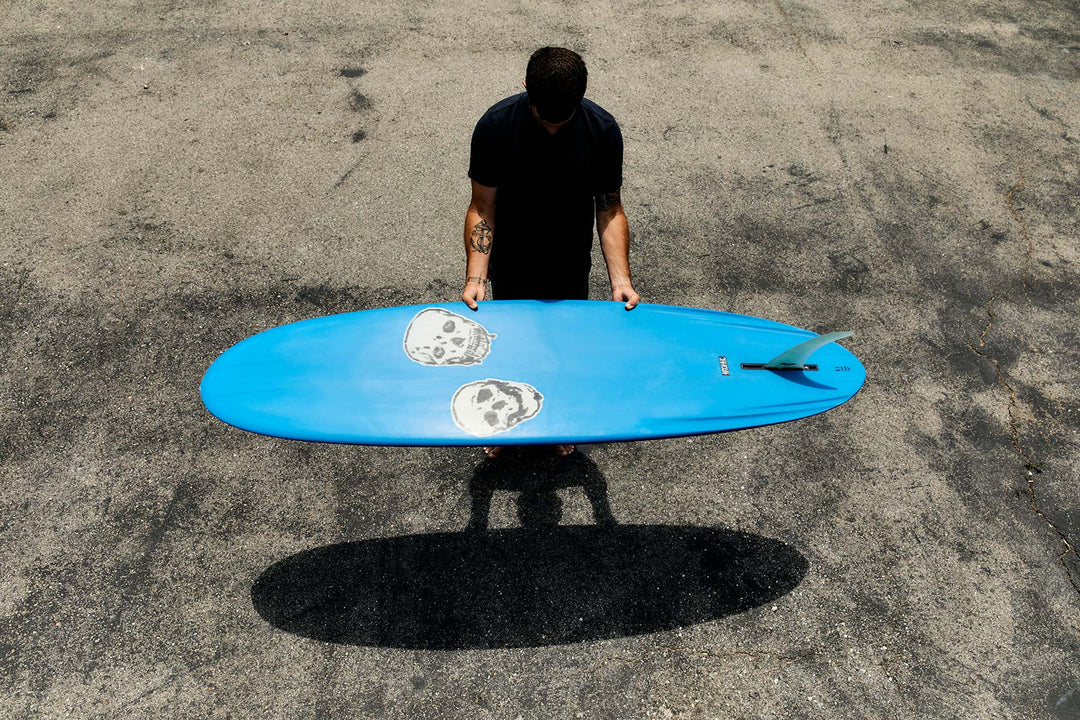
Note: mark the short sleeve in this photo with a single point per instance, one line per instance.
(609, 175)
(484, 165)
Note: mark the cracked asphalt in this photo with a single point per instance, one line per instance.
(177, 176)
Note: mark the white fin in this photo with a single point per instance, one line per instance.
(795, 358)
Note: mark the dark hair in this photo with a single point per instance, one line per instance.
(555, 81)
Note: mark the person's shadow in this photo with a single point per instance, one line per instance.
(537, 474)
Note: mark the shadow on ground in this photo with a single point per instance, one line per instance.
(514, 588)
(541, 584)
(536, 474)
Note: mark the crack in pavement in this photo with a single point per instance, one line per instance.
(1023, 225)
(1014, 425)
(192, 671)
(1031, 467)
(1069, 548)
(794, 33)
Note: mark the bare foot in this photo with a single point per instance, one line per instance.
(564, 450)
(493, 451)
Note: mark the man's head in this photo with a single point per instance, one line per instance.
(555, 80)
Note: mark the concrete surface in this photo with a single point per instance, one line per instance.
(176, 176)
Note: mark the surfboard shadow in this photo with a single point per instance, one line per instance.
(523, 587)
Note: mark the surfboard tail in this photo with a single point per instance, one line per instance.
(795, 358)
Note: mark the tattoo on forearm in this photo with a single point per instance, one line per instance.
(607, 201)
(481, 237)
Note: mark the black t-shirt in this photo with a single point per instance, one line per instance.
(544, 208)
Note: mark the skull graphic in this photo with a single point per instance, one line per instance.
(440, 337)
(487, 407)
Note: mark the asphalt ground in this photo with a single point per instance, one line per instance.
(177, 176)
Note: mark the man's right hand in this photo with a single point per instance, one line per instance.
(474, 292)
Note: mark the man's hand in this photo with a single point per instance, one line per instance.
(627, 294)
(475, 291)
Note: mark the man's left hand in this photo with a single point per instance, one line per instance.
(627, 294)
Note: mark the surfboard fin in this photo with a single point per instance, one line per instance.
(795, 358)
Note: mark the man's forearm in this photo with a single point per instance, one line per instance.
(479, 235)
(614, 230)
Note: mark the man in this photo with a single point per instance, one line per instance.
(544, 164)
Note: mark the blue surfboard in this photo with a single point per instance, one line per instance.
(526, 372)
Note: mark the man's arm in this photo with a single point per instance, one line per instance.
(614, 230)
(479, 233)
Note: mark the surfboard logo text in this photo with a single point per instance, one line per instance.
(488, 407)
(439, 337)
